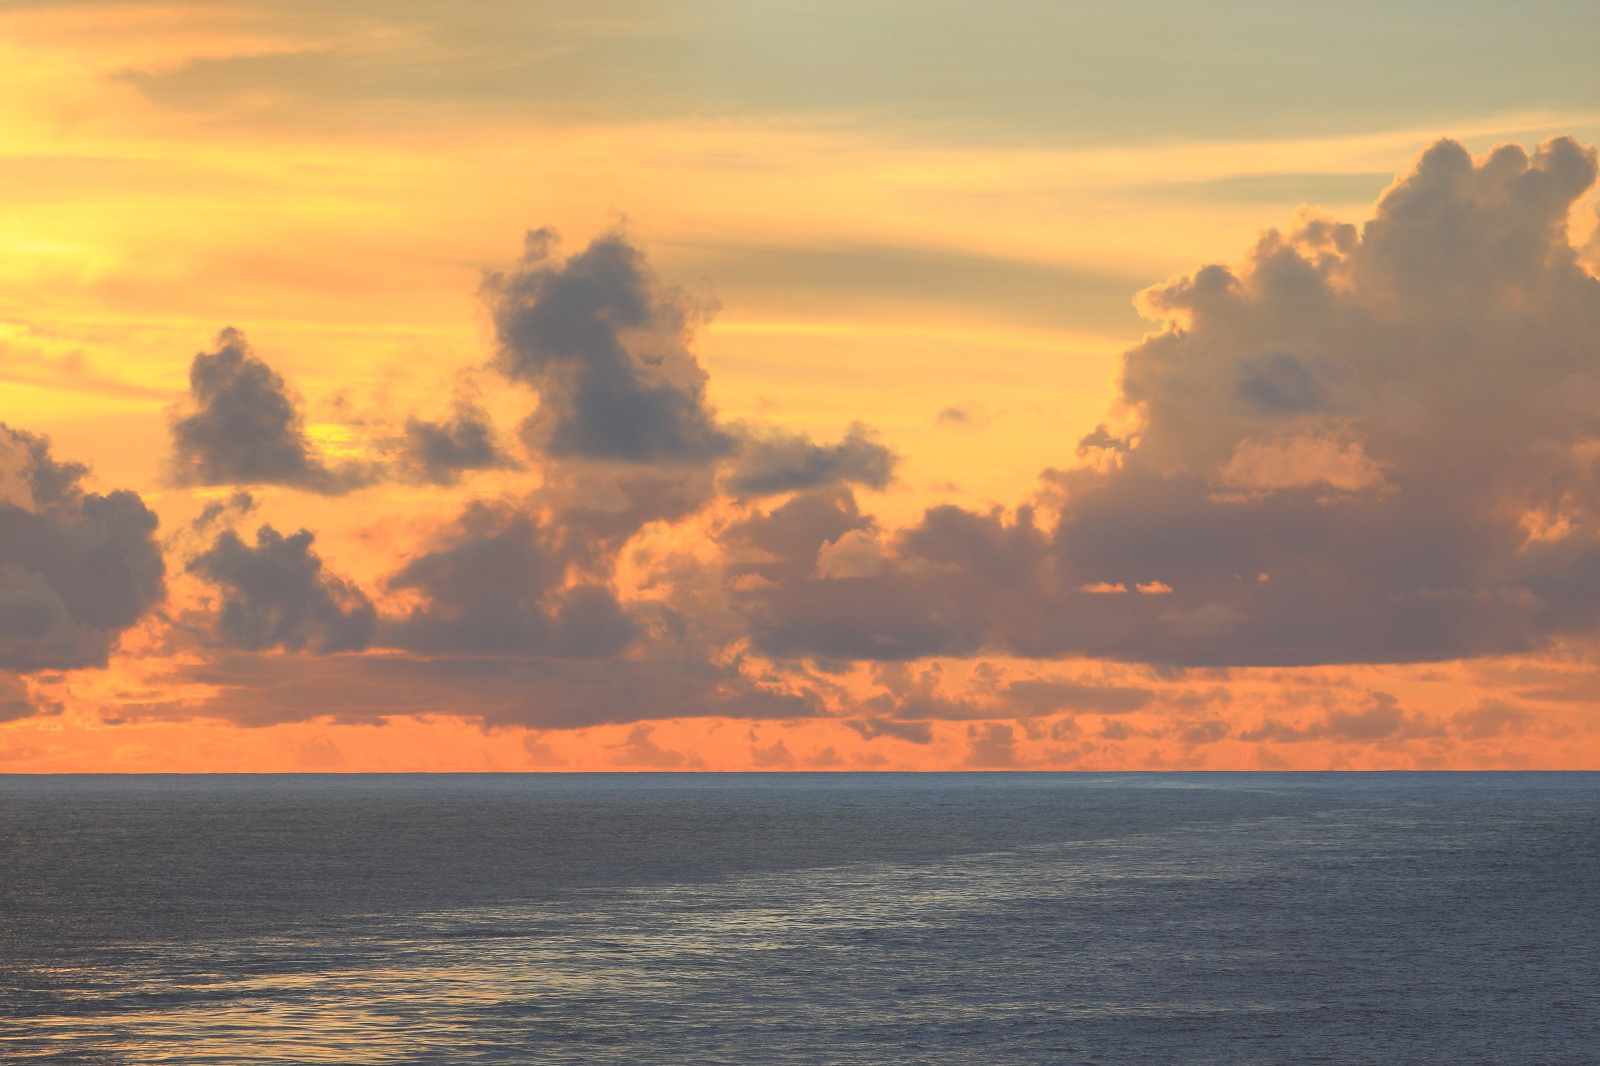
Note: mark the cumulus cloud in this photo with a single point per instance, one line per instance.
(76, 568)
(498, 583)
(777, 462)
(241, 427)
(964, 582)
(607, 347)
(276, 594)
(1374, 444)
(440, 452)
(1370, 444)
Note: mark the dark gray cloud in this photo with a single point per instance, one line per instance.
(775, 462)
(963, 582)
(606, 346)
(76, 568)
(440, 452)
(276, 594)
(498, 583)
(1370, 445)
(242, 427)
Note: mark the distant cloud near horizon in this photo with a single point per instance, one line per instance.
(1367, 445)
(607, 348)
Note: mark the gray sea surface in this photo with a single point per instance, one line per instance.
(1419, 918)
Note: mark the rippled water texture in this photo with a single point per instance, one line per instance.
(800, 918)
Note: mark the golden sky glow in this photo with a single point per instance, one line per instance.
(949, 259)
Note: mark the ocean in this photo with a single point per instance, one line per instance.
(1161, 918)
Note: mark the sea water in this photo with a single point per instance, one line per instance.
(801, 918)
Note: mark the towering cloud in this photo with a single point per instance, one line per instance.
(241, 427)
(1369, 445)
(76, 568)
(606, 345)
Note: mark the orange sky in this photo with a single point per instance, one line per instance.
(950, 263)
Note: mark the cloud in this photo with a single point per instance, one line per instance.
(1280, 383)
(440, 452)
(1369, 445)
(606, 346)
(775, 756)
(241, 427)
(1379, 717)
(76, 568)
(253, 689)
(993, 744)
(785, 543)
(1040, 696)
(540, 753)
(497, 583)
(640, 750)
(873, 727)
(1360, 445)
(277, 595)
(1490, 718)
(963, 416)
(1208, 731)
(239, 504)
(16, 702)
(963, 582)
(775, 462)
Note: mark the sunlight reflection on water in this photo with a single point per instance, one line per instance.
(1382, 931)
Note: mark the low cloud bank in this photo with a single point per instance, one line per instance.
(1374, 444)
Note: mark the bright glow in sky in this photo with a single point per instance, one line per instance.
(827, 432)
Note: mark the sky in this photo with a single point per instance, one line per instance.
(738, 385)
